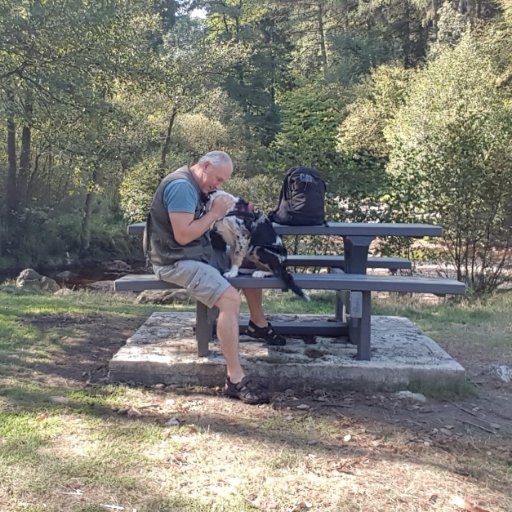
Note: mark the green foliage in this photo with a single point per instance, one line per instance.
(356, 54)
(138, 187)
(362, 143)
(362, 130)
(310, 116)
(262, 190)
(252, 31)
(196, 134)
(451, 159)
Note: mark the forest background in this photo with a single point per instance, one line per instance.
(405, 106)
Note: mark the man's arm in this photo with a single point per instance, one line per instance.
(186, 229)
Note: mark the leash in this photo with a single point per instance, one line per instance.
(244, 211)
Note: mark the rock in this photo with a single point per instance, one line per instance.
(29, 278)
(48, 284)
(504, 373)
(65, 275)
(408, 395)
(101, 286)
(116, 266)
(29, 274)
(164, 297)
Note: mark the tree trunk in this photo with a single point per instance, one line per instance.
(11, 193)
(85, 233)
(435, 27)
(406, 38)
(167, 142)
(321, 31)
(26, 141)
(11, 199)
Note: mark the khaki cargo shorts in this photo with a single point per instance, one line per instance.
(202, 281)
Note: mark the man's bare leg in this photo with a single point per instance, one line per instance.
(237, 384)
(227, 332)
(254, 297)
(259, 327)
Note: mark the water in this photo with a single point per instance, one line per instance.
(79, 279)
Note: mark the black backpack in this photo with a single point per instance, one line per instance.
(302, 198)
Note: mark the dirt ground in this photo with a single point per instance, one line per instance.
(488, 414)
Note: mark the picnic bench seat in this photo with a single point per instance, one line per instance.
(359, 286)
(333, 261)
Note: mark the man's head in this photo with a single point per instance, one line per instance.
(212, 170)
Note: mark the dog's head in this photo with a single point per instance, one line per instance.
(242, 209)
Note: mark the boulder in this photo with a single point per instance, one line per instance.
(116, 266)
(164, 297)
(29, 278)
(101, 286)
(65, 275)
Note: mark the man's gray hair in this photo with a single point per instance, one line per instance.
(216, 158)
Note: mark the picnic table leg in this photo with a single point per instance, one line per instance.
(203, 329)
(359, 326)
(356, 250)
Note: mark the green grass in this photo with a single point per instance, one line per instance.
(465, 321)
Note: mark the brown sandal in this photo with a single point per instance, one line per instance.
(265, 333)
(246, 391)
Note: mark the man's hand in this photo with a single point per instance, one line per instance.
(186, 228)
(221, 205)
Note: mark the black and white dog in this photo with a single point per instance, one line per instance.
(249, 234)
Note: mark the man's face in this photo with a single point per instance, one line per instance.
(214, 176)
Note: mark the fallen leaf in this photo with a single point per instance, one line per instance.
(59, 399)
(467, 505)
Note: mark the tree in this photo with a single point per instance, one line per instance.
(57, 77)
(310, 117)
(451, 160)
(257, 30)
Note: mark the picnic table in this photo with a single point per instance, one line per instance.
(349, 278)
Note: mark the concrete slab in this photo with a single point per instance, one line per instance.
(164, 351)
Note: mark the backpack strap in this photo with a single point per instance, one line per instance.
(284, 188)
(282, 194)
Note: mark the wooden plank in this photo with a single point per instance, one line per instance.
(330, 281)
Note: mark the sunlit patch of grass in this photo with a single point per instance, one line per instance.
(23, 433)
(322, 302)
(485, 321)
(106, 396)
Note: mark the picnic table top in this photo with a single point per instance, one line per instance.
(344, 229)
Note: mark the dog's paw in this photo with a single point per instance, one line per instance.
(261, 273)
(231, 273)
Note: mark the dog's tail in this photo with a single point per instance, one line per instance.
(291, 285)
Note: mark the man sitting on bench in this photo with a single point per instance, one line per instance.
(177, 244)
